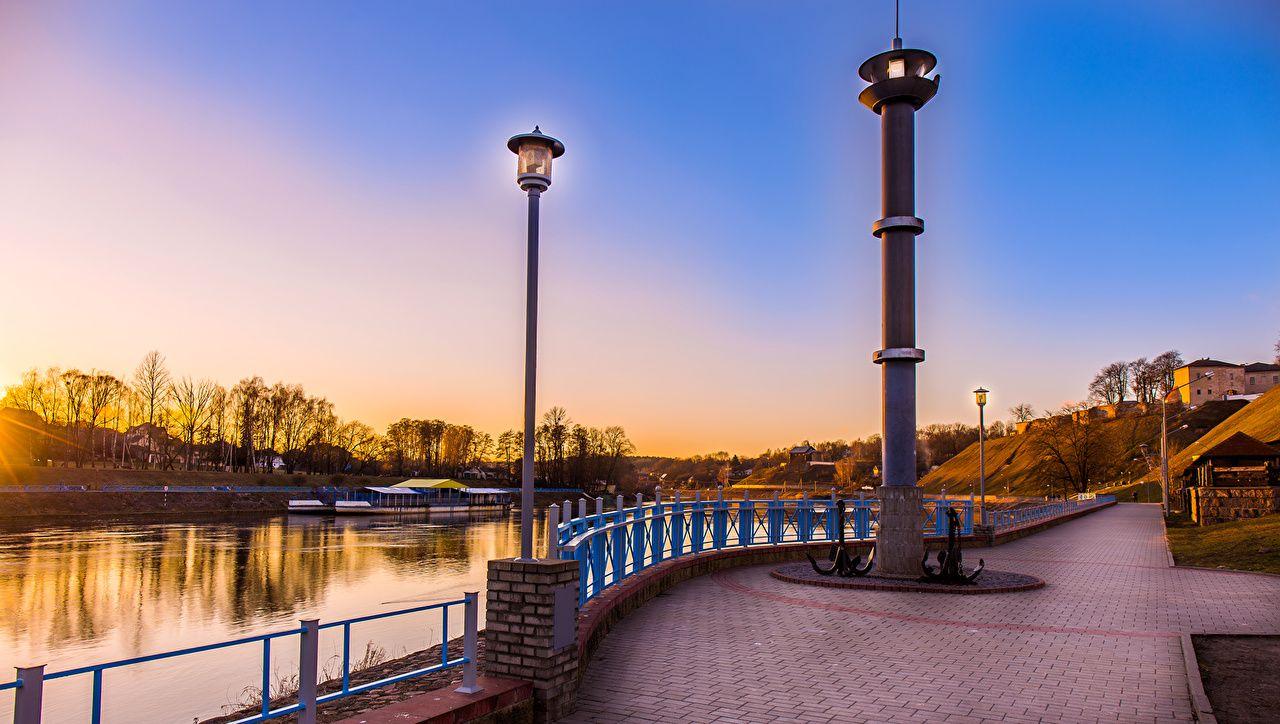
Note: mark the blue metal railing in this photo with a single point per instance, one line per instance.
(1017, 517)
(611, 546)
(29, 684)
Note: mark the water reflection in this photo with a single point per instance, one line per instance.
(105, 591)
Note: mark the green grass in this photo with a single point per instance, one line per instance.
(1148, 492)
(1245, 545)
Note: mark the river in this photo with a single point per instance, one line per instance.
(92, 592)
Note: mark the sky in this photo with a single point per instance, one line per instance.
(321, 193)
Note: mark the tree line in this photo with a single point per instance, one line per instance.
(152, 419)
(856, 461)
(1148, 380)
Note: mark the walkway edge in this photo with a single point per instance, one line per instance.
(1200, 703)
(1164, 534)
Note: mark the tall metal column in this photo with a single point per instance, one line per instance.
(534, 152)
(530, 379)
(898, 89)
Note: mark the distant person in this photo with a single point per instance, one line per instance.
(1135, 496)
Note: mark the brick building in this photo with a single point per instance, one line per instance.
(1228, 379)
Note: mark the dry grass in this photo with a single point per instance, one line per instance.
(1260, 418)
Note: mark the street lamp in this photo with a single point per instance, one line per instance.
(534, 152)
(980, 396)
(1164, 440)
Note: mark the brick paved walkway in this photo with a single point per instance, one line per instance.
(1101, 642)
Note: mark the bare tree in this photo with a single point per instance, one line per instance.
(1074, 450)
(247, 400)
(616, 447)
(102, 391)
(191, 408)
(151, 382)
(1111, 383)
(76, 385)
(1144, 378)
(1164, 366)
(1023, 412)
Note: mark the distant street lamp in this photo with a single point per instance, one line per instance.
(980, 396)
(1164, 440)
(534, 152)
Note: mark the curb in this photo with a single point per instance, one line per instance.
(1164, 534)
(1202, 708)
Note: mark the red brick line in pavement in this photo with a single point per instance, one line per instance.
(724, 580)
(997, 557)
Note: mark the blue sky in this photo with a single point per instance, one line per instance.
(1098, 182)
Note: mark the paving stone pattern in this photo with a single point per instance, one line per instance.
(1101, 642)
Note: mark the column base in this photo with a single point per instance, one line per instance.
(900, 538)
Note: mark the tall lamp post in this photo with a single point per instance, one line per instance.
(898, 88)
(534, 152)
(1164, 440)
(980, 396)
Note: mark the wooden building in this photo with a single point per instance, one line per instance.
(1237, 478)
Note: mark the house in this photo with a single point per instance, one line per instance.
(801, 455)
(1237, 478)
(1260, 377)
(1228, 380)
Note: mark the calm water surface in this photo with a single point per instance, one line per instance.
(87, 593)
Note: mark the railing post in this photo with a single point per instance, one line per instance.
(677, 527)
(637, 535)
(658, 526)
(553, 531)
(582, 512)
(719, 520)
(619, 543)
(308, 667)
(746, 521)
(470, 618)
(29, 698)
(697, 523)
(773, 519)
(804, 518)
(598, 544)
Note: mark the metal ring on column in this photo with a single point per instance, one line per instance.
(914, 224)
(912, 354)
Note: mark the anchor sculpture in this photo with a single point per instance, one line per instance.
(843, 564)
(949, 568)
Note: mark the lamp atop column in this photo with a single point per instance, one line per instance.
(898, 73)
(534, 152)
(980, 396)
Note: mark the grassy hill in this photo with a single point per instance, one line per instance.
(1260, 419)
(1016, 463)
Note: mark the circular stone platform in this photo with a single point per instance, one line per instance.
(989, 582)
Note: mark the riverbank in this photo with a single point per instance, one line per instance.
(370, 700)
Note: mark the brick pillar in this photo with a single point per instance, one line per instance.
(900, 537)
(531, 629)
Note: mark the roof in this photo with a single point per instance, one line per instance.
(1241, 445)
(1206, 362)
(485, 491)
(802, 449)
(1261, 367)
(430, 483)
(391, 491)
